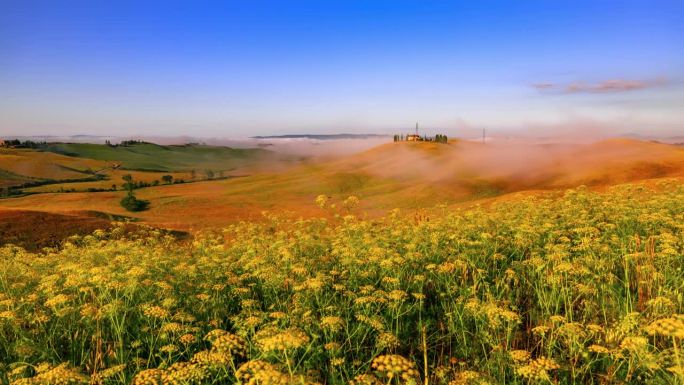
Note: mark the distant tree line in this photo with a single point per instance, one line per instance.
(128, 185)
(208, 174)
(10, 191)
(17, 189)
(16, 143)
(126, 143)
(131, 184)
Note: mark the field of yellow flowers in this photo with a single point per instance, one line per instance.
(580, 287)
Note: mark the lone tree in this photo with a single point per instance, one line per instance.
(167, 179)
(129, 185)
(130, 202)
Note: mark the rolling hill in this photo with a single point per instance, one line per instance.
(18, 166)
(56, 167)
(154, 157)
(403, 175)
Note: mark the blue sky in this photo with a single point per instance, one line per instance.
(234, 69)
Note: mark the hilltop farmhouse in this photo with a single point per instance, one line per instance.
(416, 137)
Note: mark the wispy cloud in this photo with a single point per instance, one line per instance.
(605, 86)
(543, 86)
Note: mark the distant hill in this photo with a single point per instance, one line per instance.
(21, 166)
(505, 168)
(405, 175)
(53, 167)
(154, 157)
(322, 137)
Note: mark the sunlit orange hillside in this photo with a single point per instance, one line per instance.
(510, 167)
(24, 165)
(408, 175)
(404, 175)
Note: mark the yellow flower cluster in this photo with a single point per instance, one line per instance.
(184, 373)
(634, 344)
(270, 340)
(371, 321)
(365, 379)
(153, 311)
(538, 369)
(171, 327)
(321, 201)
(187, 339)
(599, 349)
(211, 358)
(387, 341)
(332, 323)
(468, 377)
(102, 376)
(57, 301)
(496, 315)
(179, 373)
(519, 356)
(228, 343)
(8, 315)
(259, 372)
(62, 374)
(669, 327)
(169, 348)
(395, 366)
(149, 377)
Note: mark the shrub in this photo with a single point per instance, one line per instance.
(131, 203)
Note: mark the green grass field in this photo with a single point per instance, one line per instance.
(154, 157)
(58, 167)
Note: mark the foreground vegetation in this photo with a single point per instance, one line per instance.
(581, 288)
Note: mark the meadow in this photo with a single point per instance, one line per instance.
(578, 287)
(154, 157)
(70, 167)
(404, 175)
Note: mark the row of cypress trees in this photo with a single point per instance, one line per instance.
(439, 138)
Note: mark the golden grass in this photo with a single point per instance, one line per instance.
(405, 175)
(46, 165)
